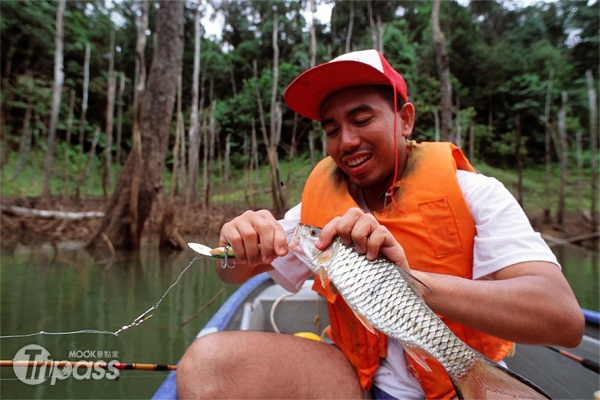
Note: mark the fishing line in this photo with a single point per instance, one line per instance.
(143, 317)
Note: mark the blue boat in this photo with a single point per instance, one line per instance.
(261, 304)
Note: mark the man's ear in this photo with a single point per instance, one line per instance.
(407, 117)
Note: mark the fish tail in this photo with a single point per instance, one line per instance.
(488, 380)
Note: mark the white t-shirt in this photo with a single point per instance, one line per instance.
(504, 237)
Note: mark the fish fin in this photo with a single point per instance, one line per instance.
(365, 323)
(417, 284)
(419, 355)
(323, 276)
(488, 380)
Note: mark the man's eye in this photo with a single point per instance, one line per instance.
(363, 122)
(331, 132)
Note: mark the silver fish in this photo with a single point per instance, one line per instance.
(387, 298)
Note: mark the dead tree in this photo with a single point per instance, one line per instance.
(443, 66)
(126, 213)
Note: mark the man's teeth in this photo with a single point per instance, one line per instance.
(357, 161)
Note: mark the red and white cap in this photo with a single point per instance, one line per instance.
(367, 67)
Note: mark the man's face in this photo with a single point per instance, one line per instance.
(359, 124)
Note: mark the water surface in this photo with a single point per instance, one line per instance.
(61, 289)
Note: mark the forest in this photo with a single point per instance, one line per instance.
(143, 95)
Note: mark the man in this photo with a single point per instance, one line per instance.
(492, 278)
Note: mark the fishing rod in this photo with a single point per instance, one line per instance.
(88, 364)
(586, 362)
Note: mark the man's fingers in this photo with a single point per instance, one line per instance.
(255, 237)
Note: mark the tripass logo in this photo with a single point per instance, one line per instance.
(32, 365)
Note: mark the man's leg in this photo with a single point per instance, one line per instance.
(252, 364)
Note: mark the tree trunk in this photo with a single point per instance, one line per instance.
(592, 97)
(293, 146)
(472, 142)
(169, 234)
(275, 129)
(457, 139)
(193, 151)
(350, 25)
(313, 62)
(156, 110)
(253, 161)
(518, 134)
(181, 176)
(227, 162)
(136, 150)
(380, 33)
(562, 131)
(209, 153)
(436, 118)
(110, 112)
(119, 121)
(84, 103)
(372, 26)
(68, 142)
(443, 67)
(59, 77)
(548, 149)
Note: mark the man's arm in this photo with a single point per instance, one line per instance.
(529, 302)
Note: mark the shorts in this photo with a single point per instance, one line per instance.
(378, 394)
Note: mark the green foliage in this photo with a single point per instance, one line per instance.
(501, 59)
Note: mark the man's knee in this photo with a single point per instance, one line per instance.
(199, 369)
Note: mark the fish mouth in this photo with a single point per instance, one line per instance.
(294, 244)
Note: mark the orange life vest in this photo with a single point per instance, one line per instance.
(436, 230)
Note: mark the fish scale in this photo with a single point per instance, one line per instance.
(403, 316)
(384, 295)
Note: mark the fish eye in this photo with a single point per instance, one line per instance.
(314, 232)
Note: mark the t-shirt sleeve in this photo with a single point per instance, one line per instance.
(288, 270)
(504, 234)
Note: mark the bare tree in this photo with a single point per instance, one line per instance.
(350, 26)
(275, 128)
(110, 112)
(68, 141)
(518, 135)
(84, 100)
(547, 142)
(564, 159)
(593, 104)
(169, 234)
(136, 150)
(209, 151)
(443, 67)
(59, 78)
(193, 151)
(123, 224)
(119, 120)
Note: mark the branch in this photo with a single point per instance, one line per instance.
(31, 212)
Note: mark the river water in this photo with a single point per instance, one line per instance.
(64, 289)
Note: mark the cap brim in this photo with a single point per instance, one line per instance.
(306, 93)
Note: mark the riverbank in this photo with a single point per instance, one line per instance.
(18, 228)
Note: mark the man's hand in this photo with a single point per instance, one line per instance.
(246, 232)
(256, 239)
(368, 236)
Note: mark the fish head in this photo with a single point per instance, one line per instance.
(303, 245)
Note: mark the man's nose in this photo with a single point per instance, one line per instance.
(348, 139)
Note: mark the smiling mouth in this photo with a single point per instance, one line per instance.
(357, 161)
